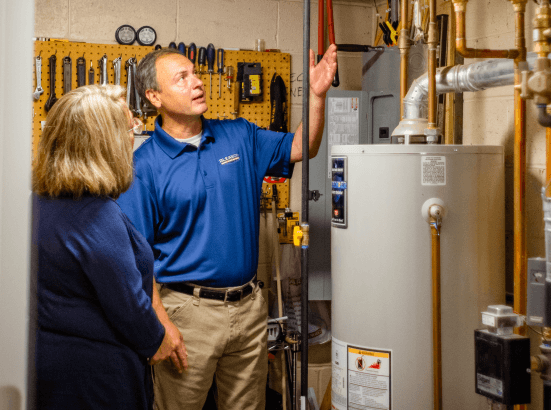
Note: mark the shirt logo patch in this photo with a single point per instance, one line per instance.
(229, 159)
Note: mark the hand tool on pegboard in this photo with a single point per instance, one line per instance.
(117, 70)
(38, 72)
(201, 60)
(102, 63)
(52, 99)
(130, 86)
(172, 45)
(67, 74)
(236, 93)
(81, 71)
(220, 63)
(182, 48)
(278, 104)
(192, 54)
(91, 74)
(249, 77)
(210, 64)
(229, 76)
(331, 30)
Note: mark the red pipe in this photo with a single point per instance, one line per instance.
(321, 28)
(330, 23)
(331, 31)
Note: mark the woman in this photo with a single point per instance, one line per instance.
(96, 326)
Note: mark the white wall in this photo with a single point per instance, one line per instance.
(16, 25)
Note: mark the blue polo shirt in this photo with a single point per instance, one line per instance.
(199, 208)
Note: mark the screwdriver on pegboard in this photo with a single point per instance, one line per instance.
(182, 48)
(192, 53)
(201, 59)
(220, 62)
(210, 62)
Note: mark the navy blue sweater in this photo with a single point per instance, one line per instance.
(96, 325)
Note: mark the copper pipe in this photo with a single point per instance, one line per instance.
(436, 316)
(432, 43)
(460, 7)
(520, 261)
(548, 156)
(403, 45)
(520, 283)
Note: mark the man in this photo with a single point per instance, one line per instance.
(196, 199)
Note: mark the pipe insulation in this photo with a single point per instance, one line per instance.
(461, 78)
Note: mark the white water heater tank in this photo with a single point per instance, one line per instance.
(381, 270)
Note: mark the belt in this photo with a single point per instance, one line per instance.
(229, 295)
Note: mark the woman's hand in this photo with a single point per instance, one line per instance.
(172, 347)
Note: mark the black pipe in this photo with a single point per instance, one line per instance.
(543, 118)
(305, 188)
(546, 395)
(358, 48)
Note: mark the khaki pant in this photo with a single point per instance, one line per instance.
(228, 339)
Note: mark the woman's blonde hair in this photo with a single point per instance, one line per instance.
(85, 147)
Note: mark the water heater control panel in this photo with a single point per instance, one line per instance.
(339, 177)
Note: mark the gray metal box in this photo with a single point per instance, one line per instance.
(535, 311)
(345, 123)
(381, 81)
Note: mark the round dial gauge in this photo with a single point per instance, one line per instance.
(125, 35)
(146, 36)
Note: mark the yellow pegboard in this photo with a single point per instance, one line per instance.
(257, 112)
(283, 186)
(92, 53)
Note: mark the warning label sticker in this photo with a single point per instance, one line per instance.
(366, 383)
(339, 380)
(489, 385)
(433, 170)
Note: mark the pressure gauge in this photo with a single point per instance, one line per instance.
(125, 35)
(146, 36)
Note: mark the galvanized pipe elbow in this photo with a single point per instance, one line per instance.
(461, 78)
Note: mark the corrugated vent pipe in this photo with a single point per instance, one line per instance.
(457, 79)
